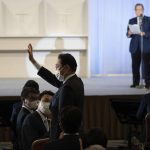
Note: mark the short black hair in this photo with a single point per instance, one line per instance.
(139, 4)
(31, 84)
(44, 93)
(68, 59)
(96, 137)
(70, 119)
(27, 91)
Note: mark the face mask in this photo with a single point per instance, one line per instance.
(59, 76)
(44, 107)
(32, 105)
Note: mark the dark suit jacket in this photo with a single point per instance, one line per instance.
(135, 39)
(144, 107)
(21, 116)
(33, 128)
(69, 142)
(15, 111)
(69, 93)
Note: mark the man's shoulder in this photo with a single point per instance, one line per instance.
(31, 117)
(147, 18)
(74, 79)
(132, 19)
(17, 105)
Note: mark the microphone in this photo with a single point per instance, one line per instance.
(141, 19)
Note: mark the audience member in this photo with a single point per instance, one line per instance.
(37, 124)
(70, 122)
(30, 103)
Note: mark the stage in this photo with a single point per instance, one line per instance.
(96, 86)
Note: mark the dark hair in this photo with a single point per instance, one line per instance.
(139, 4)
(68, 59)
(27, 91)
(31, 84)
(44, 93)
(70, 119)
(96, 137)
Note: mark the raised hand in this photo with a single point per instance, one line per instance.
(30, 52)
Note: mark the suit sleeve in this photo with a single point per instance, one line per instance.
(49, 77)
(29, 134)
(147, 33)
(66, 97)
(129, 36)
(142, 109)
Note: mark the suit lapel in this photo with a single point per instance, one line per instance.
(41, 123)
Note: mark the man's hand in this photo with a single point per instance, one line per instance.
(130, 33)
(30, 52)
(142, 33)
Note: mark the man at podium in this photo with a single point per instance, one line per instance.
(140, 46)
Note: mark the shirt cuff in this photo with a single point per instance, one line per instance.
(37, 66)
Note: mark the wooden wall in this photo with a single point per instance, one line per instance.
(98, 112)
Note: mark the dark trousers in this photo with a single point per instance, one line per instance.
(136, 61)
(146, 60)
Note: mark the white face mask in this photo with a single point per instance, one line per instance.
(32, 105)
(43, 107)
(59, 76)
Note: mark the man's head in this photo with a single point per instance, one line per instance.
(96, 137)
(66, 64)
(70, 120)
(32, 84)
(30, 97)
(139, 9)
(45, 100)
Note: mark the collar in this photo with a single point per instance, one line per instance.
(41, 115)
(71, 134)
(24, 106)
(68, 77)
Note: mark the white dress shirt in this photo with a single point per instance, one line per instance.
(46, 121)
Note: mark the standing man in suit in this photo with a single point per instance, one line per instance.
(70, 86)
(15, 111)
(144, 107)
(30, 103)
(135, 46)
(37, 124)
(70, 122)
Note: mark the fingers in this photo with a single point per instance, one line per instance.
(30, 47)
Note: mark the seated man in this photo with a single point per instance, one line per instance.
(144, 107)
(30, 103)
(70, 122)
(15, 111)
(37, 124)
(96, 138)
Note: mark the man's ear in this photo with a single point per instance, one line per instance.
(68, 67)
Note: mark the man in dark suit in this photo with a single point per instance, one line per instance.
(36, 125)
(144, 107)
(15, 111)
(135, 46)
(70, 122)
(30, 103)
(70, 86)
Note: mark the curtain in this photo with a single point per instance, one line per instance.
(108, 44)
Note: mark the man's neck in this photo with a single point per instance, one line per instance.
(69, 76)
